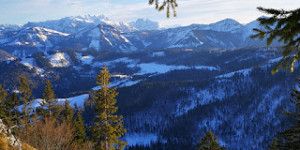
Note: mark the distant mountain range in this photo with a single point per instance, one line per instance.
(100, 33)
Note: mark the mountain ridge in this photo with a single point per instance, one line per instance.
(120, 36)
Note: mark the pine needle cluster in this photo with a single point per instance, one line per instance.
(284, 26)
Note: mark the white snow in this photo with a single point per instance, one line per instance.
(95, 33)
(40, 29)
(95, 44)
(275, 60)
(245, 72)
(158, 54)
(153, 68)
(120, 76)
(121, 83)
(140, 138)
(85, 59)
(59, 59)
(146, 43)
(30, 63)
(76, 100)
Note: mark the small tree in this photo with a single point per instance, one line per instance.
(80, 135)
(209, 142)
(108, 127)
(67, 112)
(49, 103)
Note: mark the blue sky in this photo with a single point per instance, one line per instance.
(189, 11)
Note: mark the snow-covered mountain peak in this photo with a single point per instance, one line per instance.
(145, 24)
(76, 24)
(93, 19)
(226, 25)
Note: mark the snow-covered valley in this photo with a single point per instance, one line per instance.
(174, 84)
(168, 96)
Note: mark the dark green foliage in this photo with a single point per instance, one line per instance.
(290, 138)
(3, 97)
(50, 107)
(274, 145)
(286, 30)
(67, 112)
(108, 127)
(11, 72)
(41, 60)
(26, 99)
(78, 124)
(11, 109)
(169, 4)
(209, 142)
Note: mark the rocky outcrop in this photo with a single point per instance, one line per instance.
(8, 138)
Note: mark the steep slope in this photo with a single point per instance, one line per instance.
(4, 56)
(226, 25)
(184, 37)
(27, 40)
(102, 37)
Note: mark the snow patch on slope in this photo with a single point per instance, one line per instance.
(244, 72)
(154, 68)
(59, 60)
(85, 59)
(30, 63)
(140, 138)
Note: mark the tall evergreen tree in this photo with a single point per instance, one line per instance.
(108, 127)
(26, 99)
(290, 138)
(67, 112)
(284, 26)
(209, 142)
(11, 104)
(80, 135)
(50, 105)
(3, 97)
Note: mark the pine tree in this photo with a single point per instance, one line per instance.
(50, 105)
(11, 105)
(3, 97)
(67, 112)
(108, 127)
(286, 30)
(80, 135)
(26, 99)
(209, 142)
(290, 138)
